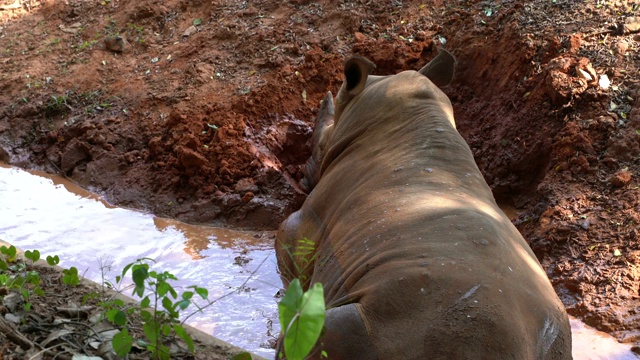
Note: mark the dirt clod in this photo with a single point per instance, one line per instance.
(620, 178)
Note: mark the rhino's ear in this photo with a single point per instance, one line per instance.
(356, 71)
(440, 69)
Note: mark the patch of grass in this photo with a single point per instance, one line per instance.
(54, 41)
(136, 32)
(111, 29)
(85, 45)
(56, 105)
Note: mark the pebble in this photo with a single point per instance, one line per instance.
(190, 31)
(115, 44)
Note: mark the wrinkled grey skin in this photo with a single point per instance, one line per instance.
(416, 258)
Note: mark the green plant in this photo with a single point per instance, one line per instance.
(32, 255)
(25, 282)
(53, 260)
(135, 28)
(303, 259)
(57, 105)
(111, 29)
(54, 41)
(85, 45)
(302, 316)
(17, 276)
(136, 32)
(70, 276)
(159, 309)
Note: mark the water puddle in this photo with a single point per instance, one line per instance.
(591, 344)
(56, 217)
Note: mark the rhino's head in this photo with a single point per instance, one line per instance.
(437, 73)
(364, 99)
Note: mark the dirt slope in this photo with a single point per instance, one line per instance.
(210, 123)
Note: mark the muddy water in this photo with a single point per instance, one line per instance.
(56, 217)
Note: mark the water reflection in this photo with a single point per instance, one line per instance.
(590, 344)
(199, 238)
(38, 213)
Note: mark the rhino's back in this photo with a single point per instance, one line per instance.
(438, 266)
(463, 292)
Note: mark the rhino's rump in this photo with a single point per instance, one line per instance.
(436, 282)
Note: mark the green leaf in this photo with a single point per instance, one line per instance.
(166, 329)
(168, 275)
(187, 295)
(173, 292)
(33, 278)
(10, 252)
(122, 343)
(25, 293)
(70, 276)
(146, 315)
(124, 271)
(162, 353)
(168, 305)
(18, 281)
(120, 318)
(53, 260)
(197, 22)
(242, 356)
(182, 333)
(32, 255)
(204, 293)
(111, 314)
(38, 291)
(638, 131)
(139, 274)
(302, 317)
(163, 288)
(145, 302)
(183, 304)
(151, 331)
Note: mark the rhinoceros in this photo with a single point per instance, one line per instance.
(416, 258)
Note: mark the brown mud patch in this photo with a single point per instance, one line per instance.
(212, 127)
